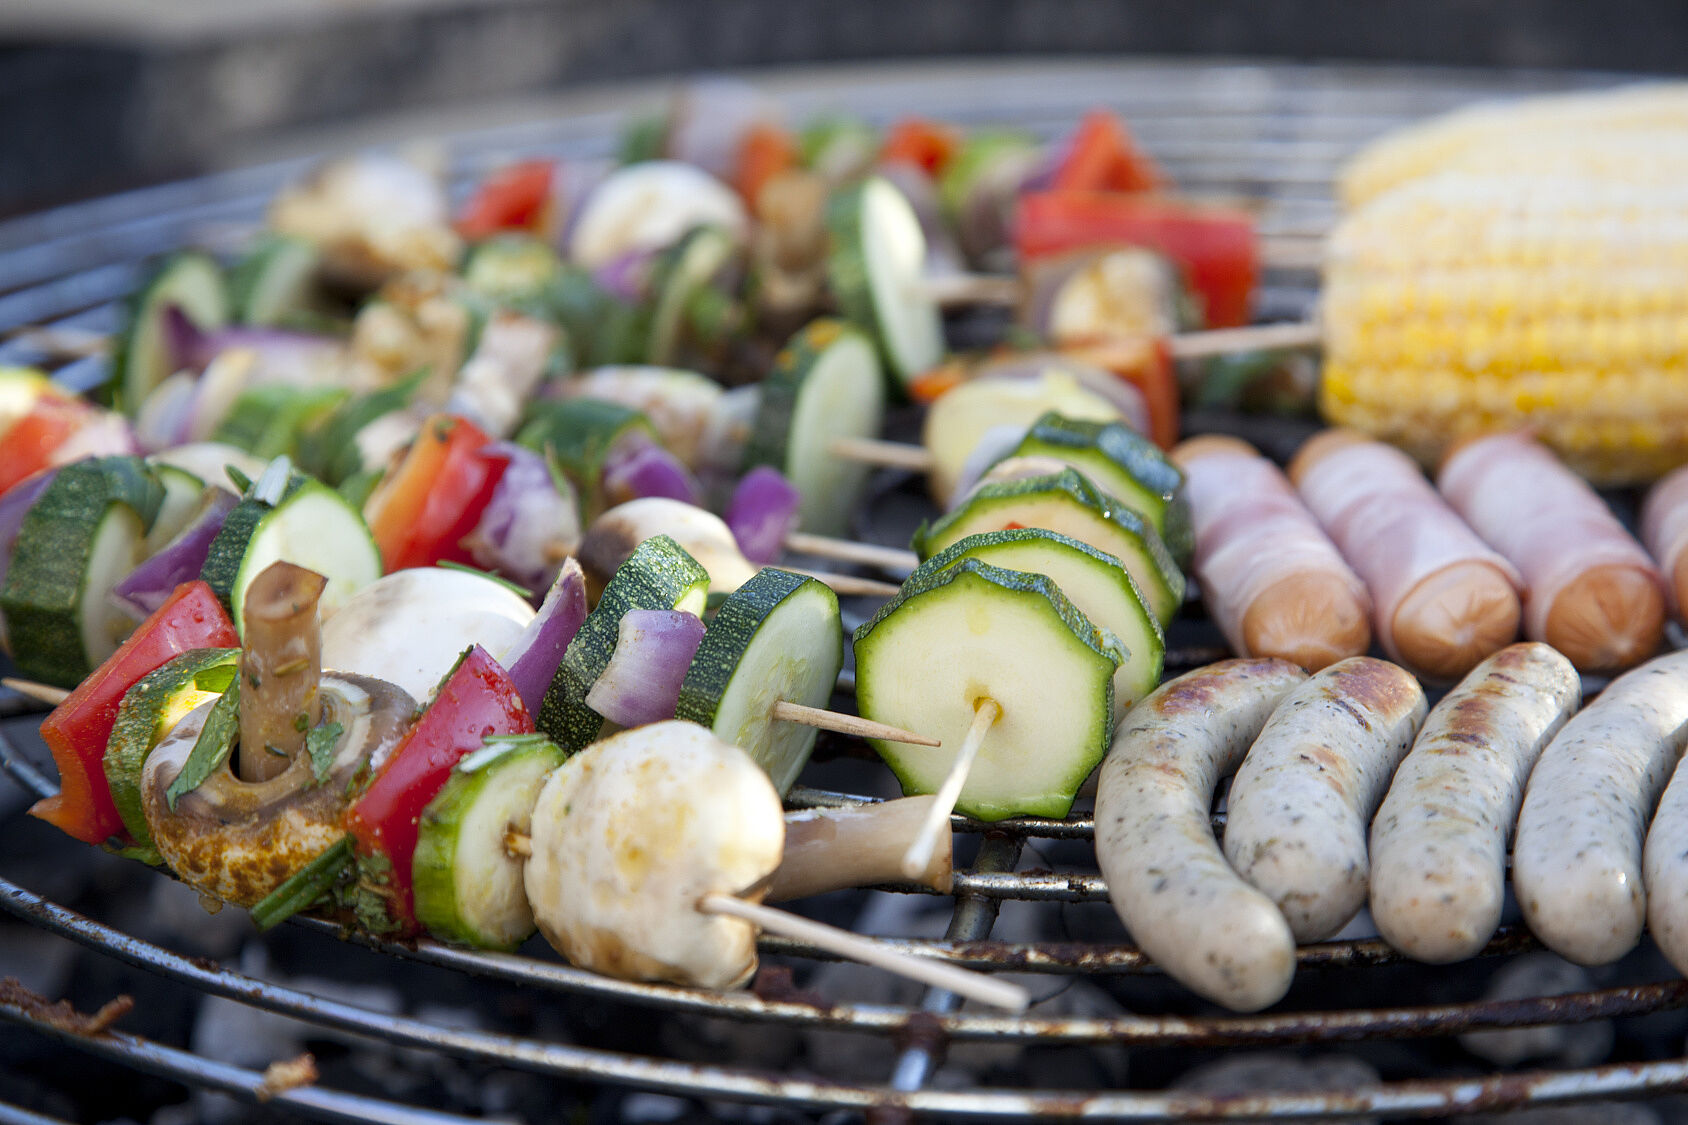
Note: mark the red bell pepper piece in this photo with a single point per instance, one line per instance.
(476, 699)
(1214, 246)
(513, 198)
(1146, 365)
(79, 728)
(764, 152)
(28, 444)
(927, 145)
(1103, 156)
(421, 512)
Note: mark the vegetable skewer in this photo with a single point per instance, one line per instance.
(609, 900)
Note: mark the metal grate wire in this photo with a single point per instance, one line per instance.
(1274, 133)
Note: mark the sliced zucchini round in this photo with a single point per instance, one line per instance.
(1068, 503)
(81, 538)
(961, 419)
(1098, 584)
(875, 267)
(275, 282)
(512, 268)
(659, 574)
(778, 636)
(468, 886)
(189, 281)
(179, 505)
(150, 709)
(825, 384)
(686, 270)
(311, 526)
(971, 632)
(1124, 464)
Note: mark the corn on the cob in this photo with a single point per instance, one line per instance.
(1487, 132)
(1458, 304)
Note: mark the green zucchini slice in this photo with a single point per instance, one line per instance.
(875, 267)
(659, 574)
(1098, 584)
(825, 385)
(1123, 463)
(149, 711)
(974, 631)
(468, 886)
(1068, 503)
(77, 541)
(191, 282)
(778, 636)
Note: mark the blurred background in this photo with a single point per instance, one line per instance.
(101, 95)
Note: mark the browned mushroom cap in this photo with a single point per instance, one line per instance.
(239, 840)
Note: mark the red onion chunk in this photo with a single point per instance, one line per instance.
(640, 469)
(283, 353)
(14, 505)
(762, 513)
(641, 683)
(627, 277)
(526, 522)
(532, 661)
(150, 585)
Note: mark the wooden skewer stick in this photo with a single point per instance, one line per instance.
(919, 855)
(848, 584)
(61, 343)
(890, 454)
(847, 724)
(847, 550)
(43, 693)
(963, 982)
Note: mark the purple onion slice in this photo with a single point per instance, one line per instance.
(640, 469)
(641, 683)
(150, 585)
(532, 661)
(530, 523)
(762, 513)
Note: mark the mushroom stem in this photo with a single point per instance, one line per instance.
(830, 849)
(280, 668)
(962, 982)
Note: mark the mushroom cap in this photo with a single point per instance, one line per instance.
(237, 840)
(631, 833)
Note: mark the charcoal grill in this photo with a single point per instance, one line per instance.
(1274, 133)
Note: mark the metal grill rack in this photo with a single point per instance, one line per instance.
(1274, 133)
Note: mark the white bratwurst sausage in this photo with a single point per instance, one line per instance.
(1154, 841)
(1664, 869)
(1304, 795)
(1438, 845)
(1576, 863)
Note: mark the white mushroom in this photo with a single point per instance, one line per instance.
(632, 833)
(647, 206)
(410, 627)
(705, 536)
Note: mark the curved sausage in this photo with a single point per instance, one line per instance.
(1438, 844)
(1166, 876)
(1576, 862)
(1593, 593)
(1269, 575)
(1442, 599)
(1664, 529)
(1304, 795)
